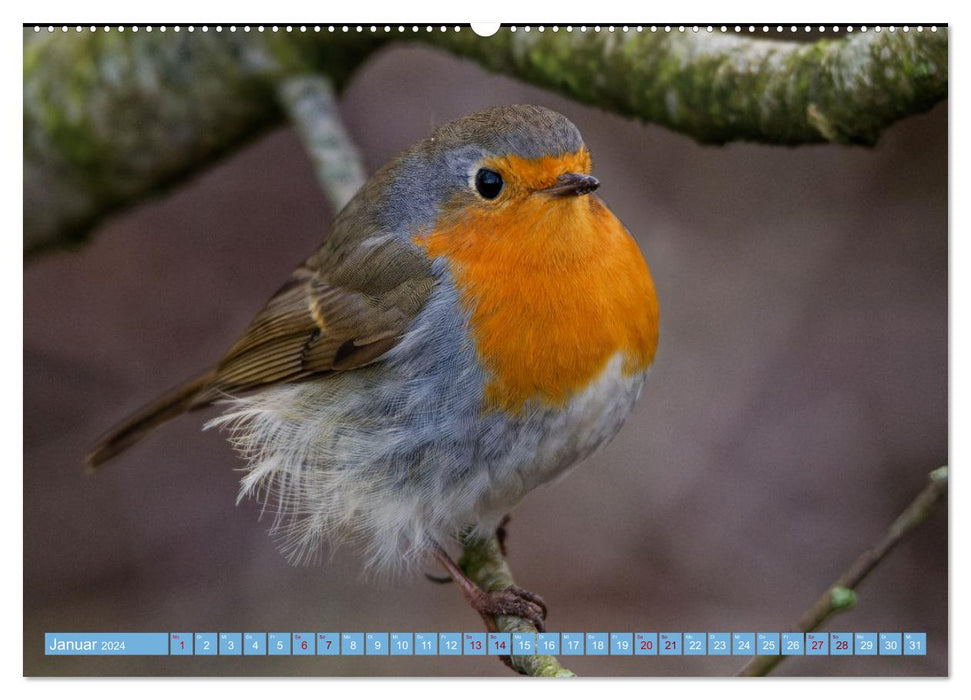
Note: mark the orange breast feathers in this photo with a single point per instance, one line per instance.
(555, 286)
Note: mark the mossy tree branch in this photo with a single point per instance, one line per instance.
(110, 118)
(483, 562)
(842, 594)
(718, 87)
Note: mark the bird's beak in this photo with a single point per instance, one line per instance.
(572, 184)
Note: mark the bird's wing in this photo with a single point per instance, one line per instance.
(345, 307)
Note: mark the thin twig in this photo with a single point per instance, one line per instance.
(842, 595)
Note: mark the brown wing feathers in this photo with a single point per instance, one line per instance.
(137, 426)
(315, 324)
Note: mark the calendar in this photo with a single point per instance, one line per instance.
(630, 644)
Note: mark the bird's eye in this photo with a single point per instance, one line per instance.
(488, 183)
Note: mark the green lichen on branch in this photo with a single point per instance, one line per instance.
(483, 562)
(725, 87)
(113, 117)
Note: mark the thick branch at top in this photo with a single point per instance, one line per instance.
(110, 118)
(725, 87)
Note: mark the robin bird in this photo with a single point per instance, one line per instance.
(477, 322)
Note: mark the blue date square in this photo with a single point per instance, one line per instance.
(597, 644)
(206, 644)
(254, 643)
(793, 643)
(401, 643)
(303, 644)
(499, 643)
(474, 643)
(426, 644)
(523, 643)
(645, 644)
(743, 643)
(571, 644)
(669, 643)
(915, 643)
(376, 644)
(230, 643)
(890, 643)
(450, 644)
(841, 644)
(621, 644)
(278, 643)
(328, 644)
(352, 644)
(817, 643)
(767, 643)
(548, 643)
(719, 643)
(180, 643)
(865, 643)
(694, 643)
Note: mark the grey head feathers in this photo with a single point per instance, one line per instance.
(407, 193)
(526, 130)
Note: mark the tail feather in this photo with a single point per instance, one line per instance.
(187, 397)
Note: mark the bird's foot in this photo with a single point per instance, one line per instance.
(512, 601)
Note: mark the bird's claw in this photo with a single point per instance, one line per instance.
(515, 602)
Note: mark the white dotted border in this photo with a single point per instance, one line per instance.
(414, 29)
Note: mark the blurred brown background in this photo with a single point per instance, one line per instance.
(798, 401)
